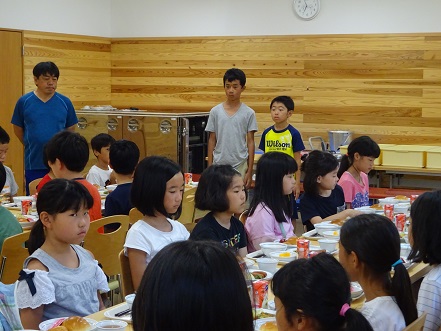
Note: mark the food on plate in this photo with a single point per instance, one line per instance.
(258, 274)
(285, 254)
(269, 326)
(22, 218)
(59, 328)
(377, 207)
(259, 313)
(401, 197)
(338, 222)
(76, 323)
(290, 241)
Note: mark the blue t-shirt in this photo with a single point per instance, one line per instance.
(118, 201)
(288, 140)
(40, 122)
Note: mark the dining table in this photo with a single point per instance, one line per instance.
(416, 272)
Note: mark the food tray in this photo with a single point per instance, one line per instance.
(259, 322)
(46, 325)
(255, 255)
(111, 313)
(312, 235)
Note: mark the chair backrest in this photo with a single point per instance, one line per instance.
(33, 185)
(126, 275)
(106, 246)
(135, 215)
(187, 214)
(416, 325)
(13, 255)
(243, 217)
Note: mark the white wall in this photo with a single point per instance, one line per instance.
(83, 17)
(148, 18)
(137, 18)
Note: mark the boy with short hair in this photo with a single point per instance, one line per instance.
(232, 125)
(282, 136)
(10, 186)
(124, 156)
(100, 172)
(67, 154)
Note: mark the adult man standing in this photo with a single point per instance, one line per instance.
(40, 114)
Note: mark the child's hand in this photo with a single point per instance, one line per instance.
(296, 190)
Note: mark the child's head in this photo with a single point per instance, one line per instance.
(425, 228)
(69, 149)
(158, 186)
(220, 189)
(281, 108)
(100, 146)
(235, 74)
(4, 144)
(56, 197)
(124, 156)
(315, 291)
(200, 272)
(370, 249)
(362, 152)
(320, 170)
(274, 182)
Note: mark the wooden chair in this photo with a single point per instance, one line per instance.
(13, 255)
(417, 325)
(243, 217)
(33, 186)
(106, 247)
(126, 275)
(135, 215)
(188, 208)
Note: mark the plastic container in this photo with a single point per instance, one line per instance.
(378, 160)
(406, 155)
(434, 158)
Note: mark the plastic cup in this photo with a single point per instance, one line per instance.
(26, 207)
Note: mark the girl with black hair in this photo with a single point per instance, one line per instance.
(425, 239)
(369, 250)
(314, 294)
(272, 204)
(323, 199)
(60, 278)
(354, 167)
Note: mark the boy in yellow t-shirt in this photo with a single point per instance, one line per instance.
(282, 136)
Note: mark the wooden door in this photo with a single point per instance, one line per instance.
(11, 87)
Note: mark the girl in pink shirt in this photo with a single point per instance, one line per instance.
(272, 205)
(354, 167)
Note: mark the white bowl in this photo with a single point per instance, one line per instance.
(332, 234)
(110, 188)
(402, 208)
(322, 227)
(267, 264)
(269, 247)
(284, 256)
(329, 245)
(405, 250)
(129, 300)
(111, 325)
(356, 290)
(367, 210)
(388, 201)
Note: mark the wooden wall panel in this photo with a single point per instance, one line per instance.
(84, 64)
(384, 85)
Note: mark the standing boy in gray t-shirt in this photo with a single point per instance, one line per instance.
(232, 125)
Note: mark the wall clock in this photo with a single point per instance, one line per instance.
(306, 9)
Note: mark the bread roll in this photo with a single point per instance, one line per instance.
(59, 328)
(76, 323)
(269, 326)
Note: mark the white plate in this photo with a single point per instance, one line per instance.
(271, 305)
(288, 246)
(46, 325)
(259, 322)
(357, 297)
(312, 235)
(255, 255)
(111, 313)
(269, 275)
(249, 263)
